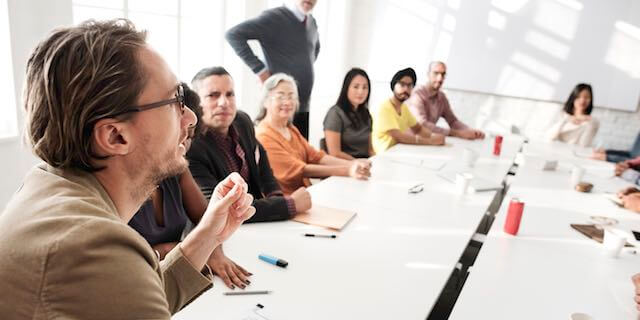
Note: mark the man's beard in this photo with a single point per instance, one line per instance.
(401, 98)
(158, 169)
(170, 167)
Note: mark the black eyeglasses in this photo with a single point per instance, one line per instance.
(408, 85)
(179, 98)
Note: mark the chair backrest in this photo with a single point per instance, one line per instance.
(635, 148)
(323, 145)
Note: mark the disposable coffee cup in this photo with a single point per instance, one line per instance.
(613, 242)
(577, 173)
(469, 157)
(462, 182)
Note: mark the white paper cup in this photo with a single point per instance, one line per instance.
(469, 157)
(462, 182)
(576, 175)
(613, 242)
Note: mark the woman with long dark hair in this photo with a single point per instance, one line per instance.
(347, 125)
(576, 125)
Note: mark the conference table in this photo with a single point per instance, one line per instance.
(549, 270)
(390, 262)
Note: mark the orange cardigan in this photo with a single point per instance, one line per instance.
(288, 158)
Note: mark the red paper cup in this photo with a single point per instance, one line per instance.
(514, 215)
(497, 146)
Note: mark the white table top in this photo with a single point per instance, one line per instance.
(390, 262)
(511, 144)
(549, 270)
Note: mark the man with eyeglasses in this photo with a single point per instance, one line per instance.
(105, 114)
(428, 104)
(395, 123)
(228, 144)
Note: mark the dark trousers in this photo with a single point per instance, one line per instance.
(301, 121)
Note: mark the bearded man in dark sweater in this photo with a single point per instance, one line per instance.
(289, 39)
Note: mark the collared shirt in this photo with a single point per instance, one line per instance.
(234, 157)
(291, 5)
(428, 106)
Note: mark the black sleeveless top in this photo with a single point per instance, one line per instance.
(175, 217)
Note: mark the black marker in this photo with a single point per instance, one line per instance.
(332, 236)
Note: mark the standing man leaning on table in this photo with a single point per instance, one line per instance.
(105, 114)
(395, 123)
(428, 104)
(289, 39)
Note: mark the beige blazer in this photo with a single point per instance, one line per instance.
(65, 254)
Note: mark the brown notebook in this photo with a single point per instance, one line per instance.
(325, 217)
(592, 232)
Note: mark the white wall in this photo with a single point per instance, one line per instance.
(542, 48)
(29, 22)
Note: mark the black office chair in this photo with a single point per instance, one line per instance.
(616, 156)
(323, 145)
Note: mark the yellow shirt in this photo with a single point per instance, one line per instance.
(388, 119)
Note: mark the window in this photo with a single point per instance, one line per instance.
(189, 34)
(8, 107)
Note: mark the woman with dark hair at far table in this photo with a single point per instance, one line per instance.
(576, 125)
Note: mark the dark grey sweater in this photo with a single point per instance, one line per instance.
(288, 47)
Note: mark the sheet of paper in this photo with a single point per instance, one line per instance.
(477, 184)
(325, 217)
(430, 164)
(400, 184)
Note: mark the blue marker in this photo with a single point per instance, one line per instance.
(273, 260)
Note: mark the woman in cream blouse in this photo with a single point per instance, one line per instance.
(576, 125)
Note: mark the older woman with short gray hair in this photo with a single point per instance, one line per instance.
(292, 159)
